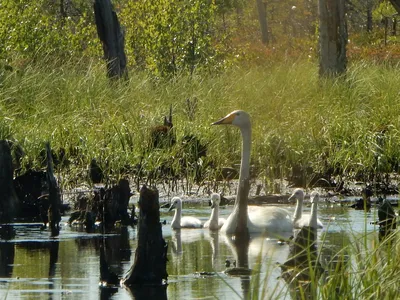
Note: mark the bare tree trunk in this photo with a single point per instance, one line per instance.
(332, 37)
(262, 17)
(396, 5)
(112, 38)
(369, 16)
(150, 263)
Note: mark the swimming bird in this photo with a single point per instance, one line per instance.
(214, 223)
(299, 219)
(182, 222)
(251, 219)
(314, 222)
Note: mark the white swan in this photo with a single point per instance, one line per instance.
(299, 219)
(214, 223)
(257, 219)
(182, 222)
(314, 222)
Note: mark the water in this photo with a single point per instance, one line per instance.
(35, 266)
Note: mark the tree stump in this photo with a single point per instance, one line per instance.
(149, 267)
(54, 213)
(9, 200)
(387, 218)
(302, 268)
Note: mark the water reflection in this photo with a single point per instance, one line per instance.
(34, 266)
(7, 253)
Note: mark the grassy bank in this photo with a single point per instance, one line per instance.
(346, 126)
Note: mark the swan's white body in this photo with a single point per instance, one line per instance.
(215, 222)
(301, 220)
(178, 221)
(272, 220)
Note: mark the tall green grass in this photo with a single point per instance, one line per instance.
(349, 125)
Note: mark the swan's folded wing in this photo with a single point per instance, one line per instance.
(270, 218)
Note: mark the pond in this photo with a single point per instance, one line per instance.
(35, 266)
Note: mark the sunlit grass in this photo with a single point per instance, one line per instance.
(348, 125)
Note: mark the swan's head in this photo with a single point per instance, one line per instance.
(176, 202)
(298, 194)
(215, 200)
(314, 197)
(238, 118)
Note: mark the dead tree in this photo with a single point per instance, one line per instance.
(332, 37)
(112, 38)
(149, 268)
(9, 200)
(54, 214)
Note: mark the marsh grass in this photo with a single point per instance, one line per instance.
(359, 267)
(347, 126)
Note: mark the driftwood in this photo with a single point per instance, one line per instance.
(9, 200)
(54, 214)
(148, 275)
(112, 38)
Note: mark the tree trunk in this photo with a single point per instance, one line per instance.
(262, 18)
(396, 5)
(369, 17)
(149, 267)
(112, 38)
(8, 200)
(332, 37)
(54, 196)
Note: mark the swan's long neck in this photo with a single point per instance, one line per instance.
(244, 182)
(176, 221)
(313, 217)
(298, 210)
(214, 214)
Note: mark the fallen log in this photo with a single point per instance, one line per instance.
(148, 274)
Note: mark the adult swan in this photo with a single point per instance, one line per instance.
(251, 219)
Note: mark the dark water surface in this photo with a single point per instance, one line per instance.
(34, 266)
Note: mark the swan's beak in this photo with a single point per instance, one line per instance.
(212, 204)
(226, 120)
(171, 207)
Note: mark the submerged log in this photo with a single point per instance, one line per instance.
(9, 200)
(149, 267)
(54, 214)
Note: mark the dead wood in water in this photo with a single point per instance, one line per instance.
(9, 200)
(149, 267)
(54, 213)
(302, 268)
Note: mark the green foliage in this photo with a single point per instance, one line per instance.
(34, 29)
(169, 37)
